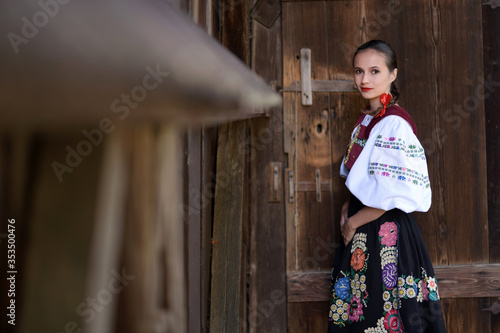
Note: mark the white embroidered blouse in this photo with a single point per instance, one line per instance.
(391, 170)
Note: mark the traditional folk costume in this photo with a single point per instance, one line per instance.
(383, 280)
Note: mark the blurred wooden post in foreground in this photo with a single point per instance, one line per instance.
(138, 73)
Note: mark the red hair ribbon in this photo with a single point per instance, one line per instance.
(385, 99)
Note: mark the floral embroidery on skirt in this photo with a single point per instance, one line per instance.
(383, 281)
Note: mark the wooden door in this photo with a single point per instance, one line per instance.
(449, 113)
(315, 140)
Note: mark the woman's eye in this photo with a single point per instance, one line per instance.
(357, 71)
(375, 71)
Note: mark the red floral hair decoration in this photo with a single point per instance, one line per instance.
(385, 99)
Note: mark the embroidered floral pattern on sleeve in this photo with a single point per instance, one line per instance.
(399, 173)
(350, 296)
(410, 150)
(396, 288)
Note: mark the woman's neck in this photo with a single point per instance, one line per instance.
(374, 107)
(375, 104)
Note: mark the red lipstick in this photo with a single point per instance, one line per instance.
(366, 89)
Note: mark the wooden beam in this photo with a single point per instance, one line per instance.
(106, 247)
(141, 241)
(192, 219)
(311, 186)
(171, 230)
(307, 286)
(458, 281)
(153, 63)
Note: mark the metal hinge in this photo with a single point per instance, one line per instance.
(317, 186)
(275, 182)
(494, 308)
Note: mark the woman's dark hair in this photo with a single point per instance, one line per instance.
(390, 57)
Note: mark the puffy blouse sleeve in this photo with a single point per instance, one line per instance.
(391, 171)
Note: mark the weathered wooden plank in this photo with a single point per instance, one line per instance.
(346, 32)
(245, 234)
(491, 24)
(171, 235)
(465, 315)
(227, 267)
(459, 281)
(192, 186)
(107, 238)
(309, 286)
(234, 34)
(140, 241)
(267, 294)
(491, 43)
(290, 148)
(299, 31)
(309, 317)
(208, 167)
(230, 235)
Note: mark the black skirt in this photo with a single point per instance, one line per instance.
(383, 280)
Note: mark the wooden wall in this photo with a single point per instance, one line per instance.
(440, 76)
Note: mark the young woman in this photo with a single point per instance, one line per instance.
(383, 280)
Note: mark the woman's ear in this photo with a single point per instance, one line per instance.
(394, 74)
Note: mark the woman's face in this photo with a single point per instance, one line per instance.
(372, 76)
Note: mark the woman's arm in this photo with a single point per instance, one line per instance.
(349, 225)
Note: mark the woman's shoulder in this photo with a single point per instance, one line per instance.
(397, 117)
(397, 110)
